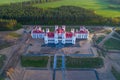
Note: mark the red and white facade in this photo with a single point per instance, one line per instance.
(83, 33)
(60, 35)
(37, 32)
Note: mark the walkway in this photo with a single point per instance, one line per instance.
(105, 72)
(62, 67)
(108, 37)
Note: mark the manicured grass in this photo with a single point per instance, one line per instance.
(100, 7)
(116, 74)
(34, 61)
(1, 78)
(78, 62)
(2, 58)
(84, 62)
(70, 62)
(115, 35)
(99, 39)
(10, 1)
(112, 44)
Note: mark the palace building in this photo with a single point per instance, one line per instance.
(60, 35)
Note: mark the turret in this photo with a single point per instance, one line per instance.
(63, 38)
(43, 30)
(36, 27)
(56, 34)
(63, 35)
(82, 28)
(56, 27)
(73, 30)
(39, 28)
(46, 39)
(47, 30)
(63, 27)
(55, 37)
(76, 30)
(73, 39)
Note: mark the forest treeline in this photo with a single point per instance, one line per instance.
(9, 22)
(9, 25)
(68, 15)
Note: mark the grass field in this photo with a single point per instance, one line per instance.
(78, 62)
(2, 58)
(84, 62)
(112, 44)
(99, 39)
(99, 7)
(10, 1)
(115, 35)
(116, 73)
(36, 61)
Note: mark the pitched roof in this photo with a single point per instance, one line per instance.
(50, 34)
(60, 30)
(38, 31)
(82, 30)
(69, 34)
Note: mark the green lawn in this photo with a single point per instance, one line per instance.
(99, 7)
(34, 61)
(99, 39)
(84, 62)
(116, 73)
(41, 61)
(115, 35)
(112, 44)
(1, 78)
(2, 58)
(10, 1)
(78, 62)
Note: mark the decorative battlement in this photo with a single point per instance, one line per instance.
(60, 35)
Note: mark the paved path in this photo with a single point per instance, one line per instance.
(106, 38)
(105, 72)
(111, 60)
(48, 64)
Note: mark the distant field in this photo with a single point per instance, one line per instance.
(100, 7)
(10, 1)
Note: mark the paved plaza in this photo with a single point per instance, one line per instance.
(69, 75)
